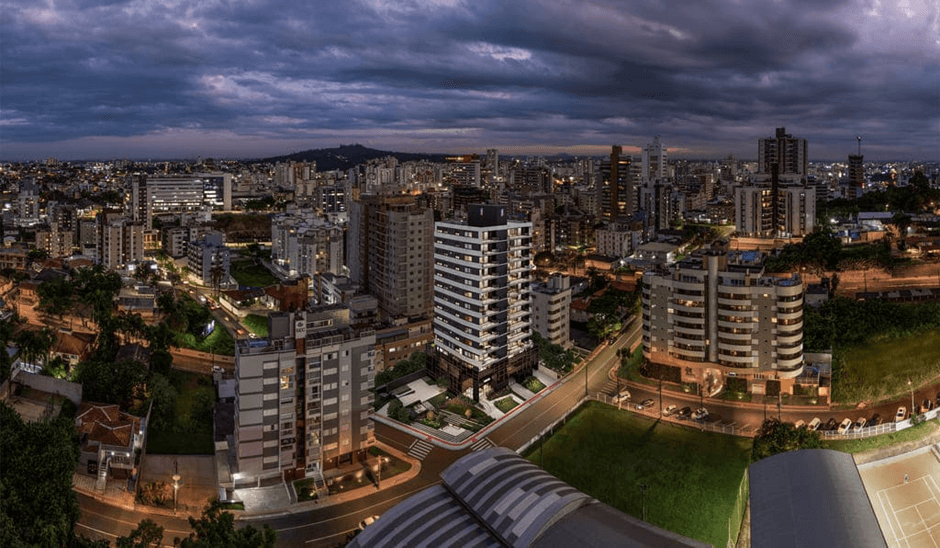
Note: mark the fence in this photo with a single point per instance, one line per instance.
(740, 507)
(654, 412)
(884, 428)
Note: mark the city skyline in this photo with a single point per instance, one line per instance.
(179, 80)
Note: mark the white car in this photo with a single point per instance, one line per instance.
(860, 423)
(367, 522)
(700, 414)
(800, 424)
(670, 410)
(844, 426)
(623, 396)
(902, 412)
(814, 424)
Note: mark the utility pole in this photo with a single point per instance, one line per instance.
(643, 487)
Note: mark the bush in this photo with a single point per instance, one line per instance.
(156, 493)
(416, 362)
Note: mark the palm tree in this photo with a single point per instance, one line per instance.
(217, 272)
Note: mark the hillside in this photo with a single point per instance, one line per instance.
(347, 156)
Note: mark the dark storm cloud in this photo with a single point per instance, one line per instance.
(251, 78)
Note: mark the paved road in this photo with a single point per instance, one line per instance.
(329, 526)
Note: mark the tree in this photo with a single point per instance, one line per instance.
(37, 504)
(147, 534)
(779, 437)
(56, 296)
(163, 397)
(217, 273)
(216, 527)
(110, 382)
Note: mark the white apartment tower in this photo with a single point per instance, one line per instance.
(482, 300)
(654, 161)
(716, 315)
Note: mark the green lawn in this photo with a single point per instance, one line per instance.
(880, 370)
(305, 489)
(914, 433)
(506, 404)
(191, 434)
(257, 324)
(693, 477)
(247, 273)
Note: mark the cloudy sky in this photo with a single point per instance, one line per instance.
(252, 78)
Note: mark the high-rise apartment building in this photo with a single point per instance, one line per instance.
(302, 401)
(208, 259)
(654, 161)
(716, 315)
(617, 186)
(464, 170)
(120, 240)
(757, 214)
(482, 300)
(551, 310)
(389, 253)
(856, 171)
(788, 152)
(302, 244)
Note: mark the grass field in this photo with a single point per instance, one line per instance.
(191, 433)
(880, 370)
(914, 433)
(693, 476)
(247, 273)
(257, 324)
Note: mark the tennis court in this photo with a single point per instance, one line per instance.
(905, 494)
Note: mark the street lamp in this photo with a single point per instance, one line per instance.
(378, 471)
(911, 386)
(176, 482)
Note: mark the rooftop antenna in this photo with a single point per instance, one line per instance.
(859, 137)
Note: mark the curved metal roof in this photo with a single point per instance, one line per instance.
(812, 497)
(515, 498)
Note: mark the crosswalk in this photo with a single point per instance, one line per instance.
(419, 449)
(482, 444)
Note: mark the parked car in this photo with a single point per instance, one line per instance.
(899, 416)
(648, 402)
(926, 406)
(684, 413)
(814, 424)
(623, 396)
(875, 420)
(669, 410)
(844, 426)
(700, 414)
(860, 423)
(799, 424)
(831, 424)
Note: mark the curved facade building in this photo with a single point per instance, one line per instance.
(716, 315)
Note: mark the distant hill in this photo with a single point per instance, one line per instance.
(347, 156)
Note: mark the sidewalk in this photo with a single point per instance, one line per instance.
(340, 498)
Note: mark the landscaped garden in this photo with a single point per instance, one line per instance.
(506, 404)
(695, 479)
(880, 370)
(251, 274)
(533, 385)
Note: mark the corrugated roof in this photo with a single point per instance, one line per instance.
(517, 499)
(494, 497)
(809, 498)
(431, 518)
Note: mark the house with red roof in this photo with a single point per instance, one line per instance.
(109, 440)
